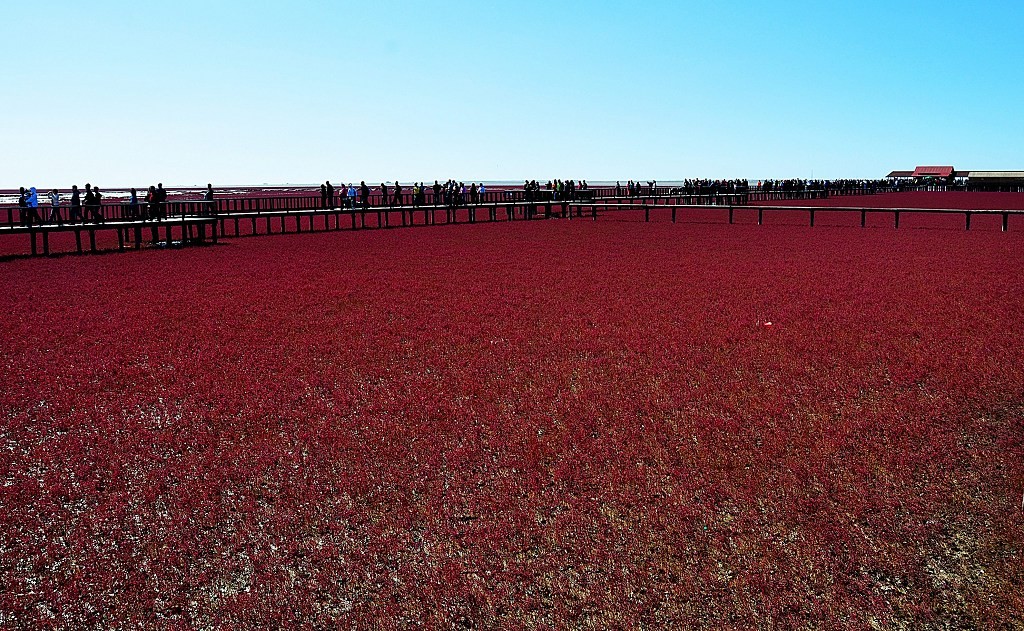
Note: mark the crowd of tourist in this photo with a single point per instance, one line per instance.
(451, 193)
(89, 206)
(797, 186)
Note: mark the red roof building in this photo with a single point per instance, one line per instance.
(933, 172)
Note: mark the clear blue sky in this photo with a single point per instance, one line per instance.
(128, 93)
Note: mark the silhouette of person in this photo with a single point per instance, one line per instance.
(22, 205)
(161, 201)
(209, 204)
(89, 201)
(76, 204)
(97, 208)
(364, 192)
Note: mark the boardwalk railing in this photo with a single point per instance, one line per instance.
(192, 219)
(13, 215)
(676, 211)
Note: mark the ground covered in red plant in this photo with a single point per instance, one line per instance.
(567, 424)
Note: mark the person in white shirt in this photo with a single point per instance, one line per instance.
(54, 196)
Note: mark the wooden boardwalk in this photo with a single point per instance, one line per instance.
(676, 211)
(199, 222)
(129, 232)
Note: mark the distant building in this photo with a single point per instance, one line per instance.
(949, 176)
(929, 175)
(996, 180)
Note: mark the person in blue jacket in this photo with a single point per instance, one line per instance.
(32, 202)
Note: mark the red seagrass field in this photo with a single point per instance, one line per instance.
(551, 424)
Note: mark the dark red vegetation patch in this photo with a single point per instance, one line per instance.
(562, 424)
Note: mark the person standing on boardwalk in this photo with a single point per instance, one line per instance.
(383, 194)
(364, 192)
(208, 204)
(97, 207)
(54, 196)
(32, 205)
(398, 194)
(351, 195)
(88, 202)
(161, 200)
(330, 194)
(323, 196)
(133, 204)
(76, 205)
(22, 205)
(151, 203)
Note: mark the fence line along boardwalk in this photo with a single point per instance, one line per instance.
(235, 204)
(591, 209)
(196, 220)
(193, 229)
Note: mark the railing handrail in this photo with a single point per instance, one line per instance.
(123, 208)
